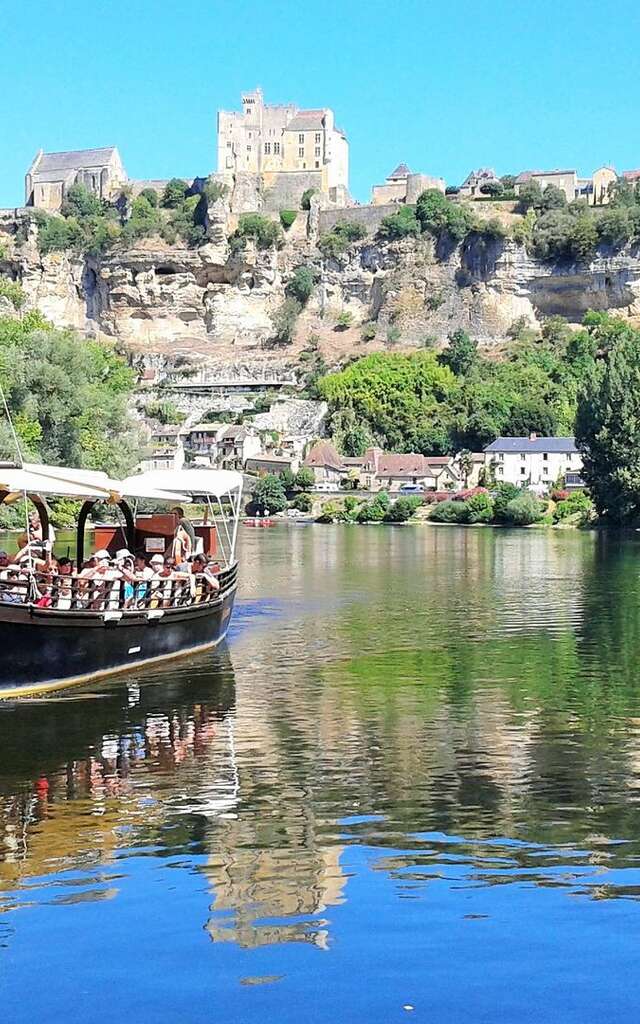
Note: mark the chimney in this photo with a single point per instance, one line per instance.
(533, 437)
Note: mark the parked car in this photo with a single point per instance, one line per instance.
(411, 489)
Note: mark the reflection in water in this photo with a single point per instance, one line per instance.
(418, 740)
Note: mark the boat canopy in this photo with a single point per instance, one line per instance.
(216, 483)
(60, 481)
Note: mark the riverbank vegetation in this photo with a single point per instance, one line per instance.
(440, 403)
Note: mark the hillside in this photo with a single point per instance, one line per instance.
(212, 305)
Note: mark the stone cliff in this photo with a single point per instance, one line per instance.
(212, 306)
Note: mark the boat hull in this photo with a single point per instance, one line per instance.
(45, 650)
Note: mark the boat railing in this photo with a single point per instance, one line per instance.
(109, 594)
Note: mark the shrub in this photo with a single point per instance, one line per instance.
(393, 334)
(492, 188)
(503, 494)
(344, 320)
(479, 508)
(302, 284)
(449, 512)
(284, 320)
(340, 237)
(174, 193)
(373, 511)
(287, 218)
(433, 302)
(214, 190)
(576, 502)
(524, 510)
(151, 196)
(164, 412)
(303, 502)
(402, 509)
(13, 291)
(399, 225)
(55, 234)
(368, 331)
(493, 228)
(304, 478)
(305, 202)
(265, 232)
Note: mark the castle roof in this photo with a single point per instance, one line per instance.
(482, 174)
(57, 166)
(307, 120)
(528, 175)
(401, 171)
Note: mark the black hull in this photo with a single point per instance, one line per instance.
(47, 650)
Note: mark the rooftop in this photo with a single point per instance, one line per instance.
(533, 444)
(306, 120)
(54, 166)
(401, 171)
(324, 454)
(527, 175)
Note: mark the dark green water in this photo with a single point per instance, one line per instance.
(408, 786)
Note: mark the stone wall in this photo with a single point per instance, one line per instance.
(370, 217)
(283, 191)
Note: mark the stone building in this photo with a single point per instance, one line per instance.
(566, 181)
(401, 186)
(472, 184)
(52, 174)
(291, 149)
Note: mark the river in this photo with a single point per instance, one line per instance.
(407, 787)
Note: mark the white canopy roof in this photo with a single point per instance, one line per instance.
(216, 482)
(60, 481)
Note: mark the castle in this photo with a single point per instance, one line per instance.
(291, 149)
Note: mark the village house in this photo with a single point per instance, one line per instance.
(51, 175)
(566, 181)
(222, 445)
(402, 186)
(261, 465)
(291, 149)
(327, 465)
(472, 185)
(536, 462)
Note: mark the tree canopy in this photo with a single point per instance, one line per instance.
(67, 397)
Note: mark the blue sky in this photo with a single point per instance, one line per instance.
(444, 87)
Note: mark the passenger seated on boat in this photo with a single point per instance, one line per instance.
(125, 564)
(204, 581)
(63, 584)
(162, 584)
(104, 583)
(14, 588)
(142, 574)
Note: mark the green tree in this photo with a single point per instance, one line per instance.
(375, 510)
(608, 421)
(502, 495)
(68, 397)
(174, 193)
(350, 434)
(80, 202)
(265, 232)
(460, 354)
(399, 225)
(302, 283)
(492, 188)
(284, 321)
(269, 495)
(465, 462)
(553, 198)
(305, 478)
(530, 195)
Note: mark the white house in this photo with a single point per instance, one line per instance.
(534, 461)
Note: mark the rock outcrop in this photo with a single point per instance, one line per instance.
(214, 306)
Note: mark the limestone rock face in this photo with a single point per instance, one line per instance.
(214, 306)
(296, 416)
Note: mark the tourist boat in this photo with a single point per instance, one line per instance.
(78, 638)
